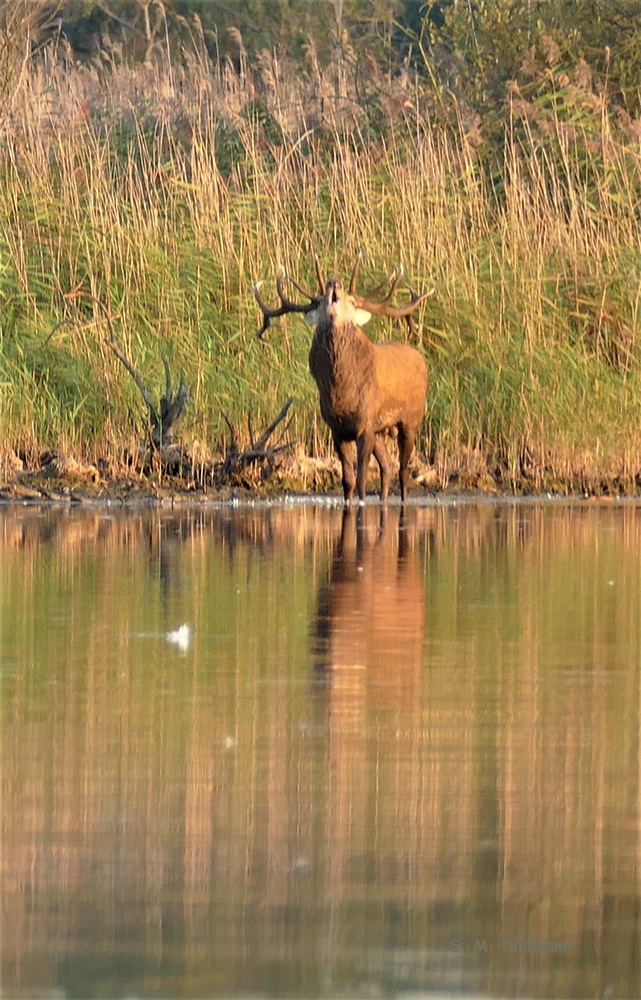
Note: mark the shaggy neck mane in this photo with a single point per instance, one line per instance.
(348, 347)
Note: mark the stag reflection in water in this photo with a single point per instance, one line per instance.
(369, 631)
(370, 613)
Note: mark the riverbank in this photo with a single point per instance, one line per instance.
(67, 479)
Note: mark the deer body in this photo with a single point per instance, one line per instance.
(365, 389)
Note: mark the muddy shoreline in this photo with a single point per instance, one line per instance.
(31, 491)
(299, 479)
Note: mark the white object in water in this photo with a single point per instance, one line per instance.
(181, 637)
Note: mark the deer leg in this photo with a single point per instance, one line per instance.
(365, 444)
(345, 452)
(406, 438)
(381, 456)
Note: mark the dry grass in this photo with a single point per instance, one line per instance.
(165, 193)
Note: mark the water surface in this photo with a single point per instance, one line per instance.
(391, 754)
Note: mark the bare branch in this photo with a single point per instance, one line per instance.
(233, 446)
(172, 406)
(267, 433)
(146, 394)
(236, 461)
(168, 392)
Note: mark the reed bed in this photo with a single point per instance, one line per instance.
(164, 193)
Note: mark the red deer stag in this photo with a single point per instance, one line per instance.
(365, 389)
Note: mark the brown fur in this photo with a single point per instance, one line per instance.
(365, 389)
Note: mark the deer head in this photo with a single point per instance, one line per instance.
(336, 304)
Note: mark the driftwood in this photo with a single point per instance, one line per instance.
(172, 406)
(259, 452)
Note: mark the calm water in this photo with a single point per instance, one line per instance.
(389, 755)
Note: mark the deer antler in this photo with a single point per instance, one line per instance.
(374, 291)
(320, 275)
(383, 306)
(380, 307)
(286, 305)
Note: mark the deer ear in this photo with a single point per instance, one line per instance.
(361, 316)
(311, 318)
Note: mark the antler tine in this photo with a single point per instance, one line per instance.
(268, 314)
(396, 280)
(398, 312)
(287, 304)
(415, 297)
(355, 270)
(379, 288)
(299, 288)
(319, 275)
(373, 291)
(367, 299)
(415, 300)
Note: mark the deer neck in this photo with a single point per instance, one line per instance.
(346, 346)
(342, 362)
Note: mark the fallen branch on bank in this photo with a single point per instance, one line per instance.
(240, 466)
(172, 405)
